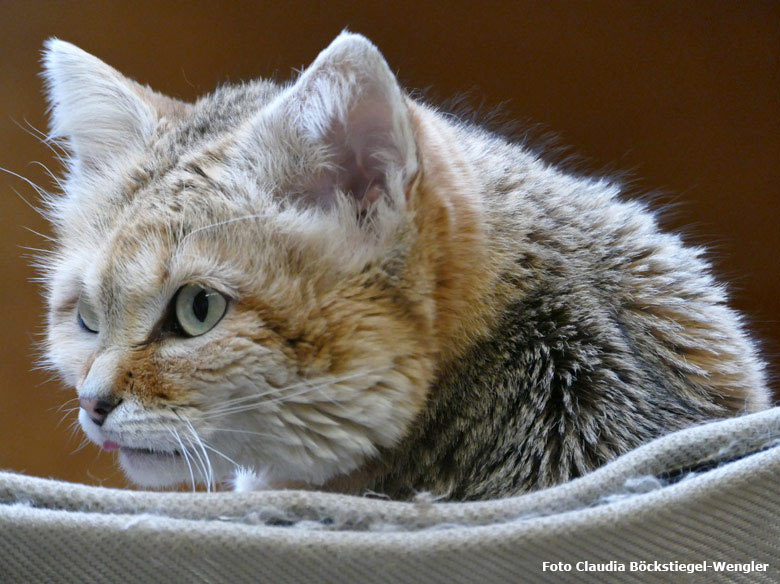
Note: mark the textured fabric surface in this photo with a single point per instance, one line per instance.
(706, 494)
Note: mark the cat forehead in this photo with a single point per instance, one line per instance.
(220, 113)
(167, 231)
(134, 268)
(188, 153)
(194, 168)
(177, 226)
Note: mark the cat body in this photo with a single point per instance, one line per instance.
(341, 288)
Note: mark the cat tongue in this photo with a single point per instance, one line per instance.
(108, 445)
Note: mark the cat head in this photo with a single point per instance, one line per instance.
(233, 281)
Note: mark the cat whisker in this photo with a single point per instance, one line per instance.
(41, 235)
(248, 432)
(63, 404)
(202, 464)
(266, 402)
(37, 250)
(80, 447)
(73, 428)
(223, 455)
(50, 379)
(50, 173)
(198, 462)
(232, 402)
(65, 415)
(28, 203)
(261, 403)
(186, 456)
(310, 386)
(59, 152)
(38, 189)
(221, 223)
(274, 401)
(207, 461)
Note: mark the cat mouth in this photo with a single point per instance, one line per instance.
(131, 450)
(148, 451)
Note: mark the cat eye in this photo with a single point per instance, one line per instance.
(198, 309)
(88, 320)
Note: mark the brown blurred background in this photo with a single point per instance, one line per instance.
(684, 95)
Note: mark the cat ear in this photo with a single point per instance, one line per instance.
(348, 104)
(102, 114)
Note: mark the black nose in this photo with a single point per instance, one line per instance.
(98, 409)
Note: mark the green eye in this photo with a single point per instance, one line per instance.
(199, 309)
(87, 317)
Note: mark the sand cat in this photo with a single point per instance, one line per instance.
(339, 287)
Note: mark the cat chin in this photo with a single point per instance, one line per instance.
(154, 470)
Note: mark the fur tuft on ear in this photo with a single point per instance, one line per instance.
(348, 103)
(101, 113)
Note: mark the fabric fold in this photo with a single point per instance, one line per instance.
(710, 493)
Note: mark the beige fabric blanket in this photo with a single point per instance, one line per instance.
(700, 505)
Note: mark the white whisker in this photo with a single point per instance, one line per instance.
(250, 432)
(38, 189)
(231, 402)
(63, 404)
(186, 456)
(226, 457)
(84, 442)
(309, 386)
(221, 223)
(50, 173)
(273, 401)
(65, 415)
(43, 138)
(207, 460)
(41, 235)
(28, 203)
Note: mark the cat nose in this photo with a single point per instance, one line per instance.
(98, 409)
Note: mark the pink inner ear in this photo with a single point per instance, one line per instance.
(363, 145)
(371, 196)
(355, 171)
(363, 185)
